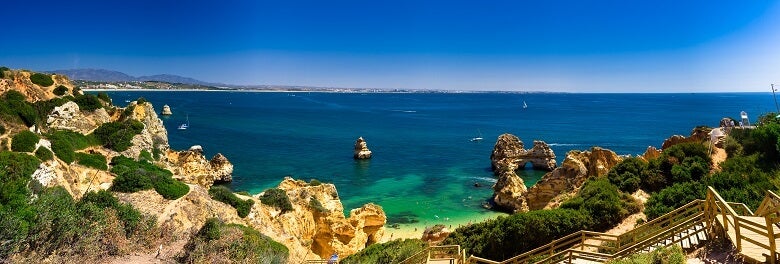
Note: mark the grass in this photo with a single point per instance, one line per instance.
(217, 242)
(223, 194)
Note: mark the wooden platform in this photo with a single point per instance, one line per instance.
(757, 249)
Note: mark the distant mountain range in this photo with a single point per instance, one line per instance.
(101, 75)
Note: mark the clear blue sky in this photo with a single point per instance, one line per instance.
(569, 46)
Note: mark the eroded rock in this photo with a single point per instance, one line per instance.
(361, 149)
(69, 117)
(191, 166)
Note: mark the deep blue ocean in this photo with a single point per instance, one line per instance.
(424, 167)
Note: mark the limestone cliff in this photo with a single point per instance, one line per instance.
(20, 81)
(307, 232)
(509, 154)
(69, 117)
(153, 136)
(191, 166)
(571, 175)
(698, 134)
(510, 192)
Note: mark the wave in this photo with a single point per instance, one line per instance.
(405, 111)
(487, 179)
(564, 144)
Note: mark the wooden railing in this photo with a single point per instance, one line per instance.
(712, 216)
(450, 253)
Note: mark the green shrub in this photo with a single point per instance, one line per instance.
(64, 143)
(141, 101)
(118, 135)
(41, 79)
(15, 108)
(601, 200)
(223, 194)
(626, 174)
(145, 155)
(24, 141)
(97, 160)
(60, 90)
(667, 255)
(2, 129)
(129, 216)
(505, 237)
(314, 182)
(44, 108)
(13, 95)
(389, 252)
(673, 197)
(169, 188)
(88, 102)
(104, 96)
(277, 198)
(316, 205)
(44, 154)
(217, 242)
(2, 72)
(133, 176)
(733, 147)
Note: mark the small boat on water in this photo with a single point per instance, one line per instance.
(524, 105)
(477, 138)
(184, 126)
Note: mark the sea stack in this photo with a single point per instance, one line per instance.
(361, 149)
(166, 110)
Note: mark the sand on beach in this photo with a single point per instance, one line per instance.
(415, 230)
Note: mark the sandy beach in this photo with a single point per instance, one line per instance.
(415, 230)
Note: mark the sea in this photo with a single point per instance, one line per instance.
(425, 168)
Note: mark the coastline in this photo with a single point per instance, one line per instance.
(415, 230)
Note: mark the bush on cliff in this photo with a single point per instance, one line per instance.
(64, 143)
(14, 108)
(97, 160)
(44, 154)
(60, 90)
(118, 135)
(133, 176)
(217, 242)
(104, 97)
(627, 174)
(505, 237)
(673, 197)
(389, 252)
(223, 194)
(88, 102)
(604, 203)
(277, 198)
(41, 79)
(24, 141)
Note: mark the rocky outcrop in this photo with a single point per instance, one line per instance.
(153, 136)
(306, 231)
(510, 192)
(20, 81)
(191, 166)
(332, 232)
(571, 175)
(69, 117)
(166, 110)
(509, 154)
(698, 134)
(361, 149)
(651, 153)
(435, 235)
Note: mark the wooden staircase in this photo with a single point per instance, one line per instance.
(755, 236)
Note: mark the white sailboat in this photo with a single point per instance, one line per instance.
(477, 138)
(184, 126)
(524, 105)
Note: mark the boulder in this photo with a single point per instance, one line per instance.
(166, 110)
(509, 192)
(69, 117)
(361, 149)
(436, 234)
(191, 166)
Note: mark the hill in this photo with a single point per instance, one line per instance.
(102, 75)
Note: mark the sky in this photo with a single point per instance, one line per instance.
(560, 46)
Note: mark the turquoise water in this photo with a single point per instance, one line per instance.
(424, 166)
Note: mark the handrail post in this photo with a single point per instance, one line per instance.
(737, 233)
(771, 235)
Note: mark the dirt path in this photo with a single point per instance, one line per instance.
(167, 255)
(718, 155)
